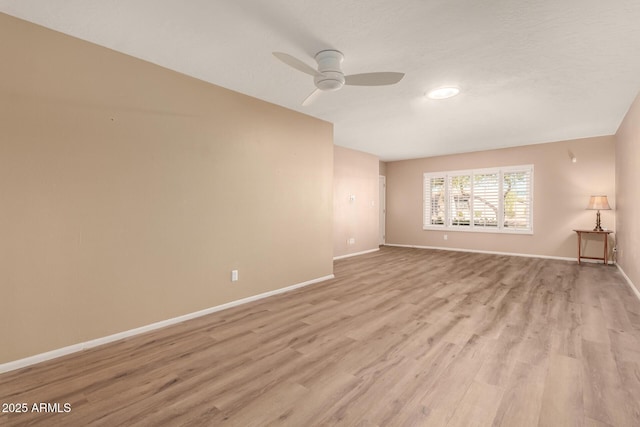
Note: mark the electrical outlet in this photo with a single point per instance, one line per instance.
(446, 237)
(351, 241)
(234, 275)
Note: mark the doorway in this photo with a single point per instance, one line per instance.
(382, 188)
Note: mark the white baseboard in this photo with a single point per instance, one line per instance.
(31, 360)
(355, 254)
(629, 282)
(442, 248)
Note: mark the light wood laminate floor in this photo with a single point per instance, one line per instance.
(401, 337)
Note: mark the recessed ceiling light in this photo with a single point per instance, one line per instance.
(443, 92)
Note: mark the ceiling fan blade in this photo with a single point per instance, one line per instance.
(296, 63)
(373, 79)
(309, 99)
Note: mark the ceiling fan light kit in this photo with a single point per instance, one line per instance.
(329, 76)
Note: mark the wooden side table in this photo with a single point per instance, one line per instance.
(604, 233)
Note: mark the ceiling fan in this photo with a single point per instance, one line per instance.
(329, 76)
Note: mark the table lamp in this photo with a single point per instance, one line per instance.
(598, 203)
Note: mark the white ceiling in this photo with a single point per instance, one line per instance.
(529, 71)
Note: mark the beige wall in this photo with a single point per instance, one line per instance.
(628, 193)
(561, 194)
(128, 193)
(354, 174)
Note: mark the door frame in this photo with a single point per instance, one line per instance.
(382, 203)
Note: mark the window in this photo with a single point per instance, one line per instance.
(459, 188)
(435, 205)
(496, 200)
(486, 196)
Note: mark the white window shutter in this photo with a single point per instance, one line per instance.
(486, 200)
(459, 189)
(434, 200)
(517, 189)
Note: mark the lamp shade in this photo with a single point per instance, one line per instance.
(599, 203)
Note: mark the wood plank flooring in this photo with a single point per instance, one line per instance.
(401, 337)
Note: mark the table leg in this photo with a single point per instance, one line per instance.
(606, 251)
(579, 246)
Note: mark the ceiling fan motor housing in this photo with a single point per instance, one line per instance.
(331, 77)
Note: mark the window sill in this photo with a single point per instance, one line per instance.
(478, 230)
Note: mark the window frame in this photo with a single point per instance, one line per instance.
(472, 227)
